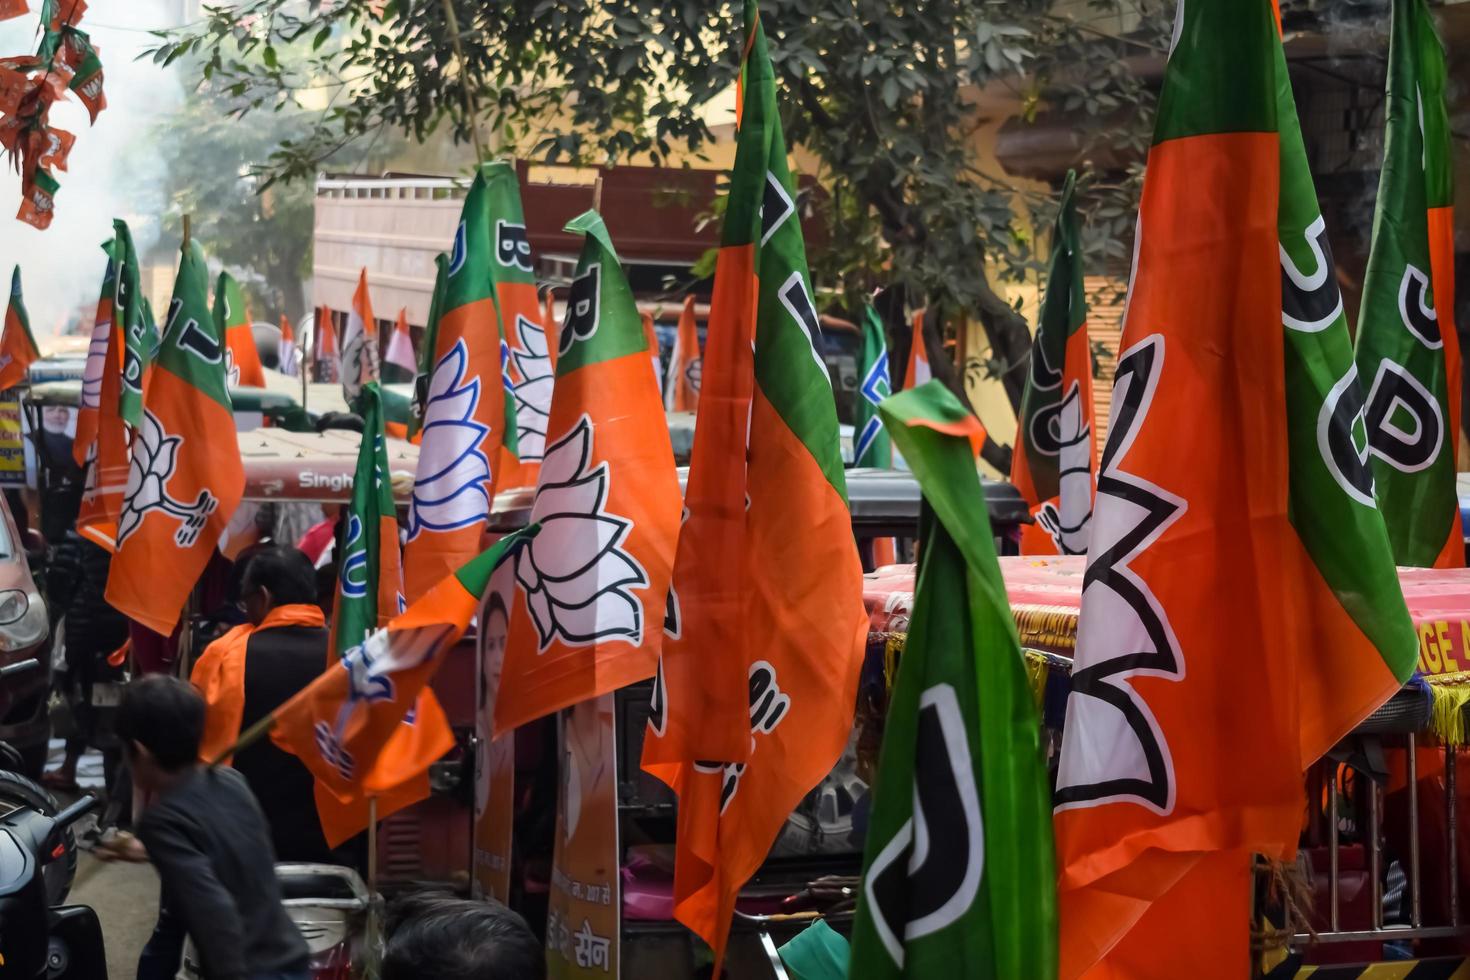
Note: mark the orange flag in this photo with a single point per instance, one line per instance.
(1234, 536)
(329, 366)
(286, 360)
(185, 478)
(918, 371)
(400, 346)
(345, 725)
(359, 342)
(765, 624)
(85, 443)
(232, 322)
(591, 590)
(681, 389)
(650, 337)
(17, 346)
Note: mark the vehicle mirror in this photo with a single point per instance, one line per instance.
(34, 541)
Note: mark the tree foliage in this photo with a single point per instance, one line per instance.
(885, 98)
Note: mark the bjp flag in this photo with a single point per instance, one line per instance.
(324, 332)
(400, 347)
(185, 477)
(1230, 490)
(1408, 352)
(17, 347)
(232, 322)
(85, 443)
(754, 700)
(343, 725)
(591, 589)
(286, 359)
(124, 373)
(1056, 454)
(681, 389)
(10, 9)
(527, 361)
(465, 420)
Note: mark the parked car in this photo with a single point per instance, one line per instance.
(24, 628)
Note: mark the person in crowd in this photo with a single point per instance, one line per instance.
(434, 934)
(255, 668)
(206, 836)
(76, 585)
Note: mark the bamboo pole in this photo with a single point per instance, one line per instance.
(188, 236)
(247, 738)
(372, 831)
(597, 194)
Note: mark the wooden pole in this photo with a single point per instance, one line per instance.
(464, 79)
(247, 738)
(597, 194)
(372, 830)
(188, 237)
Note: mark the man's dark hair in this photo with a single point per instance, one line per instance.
(164, 715)
(437, 935)
(282, 570)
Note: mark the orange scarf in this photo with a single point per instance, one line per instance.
(220, 676)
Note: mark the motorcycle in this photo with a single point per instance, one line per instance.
(41, 939)
(337, 915)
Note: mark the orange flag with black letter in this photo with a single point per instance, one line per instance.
(1231, 490)
(185, 477)
(765, 627)
(591, 590)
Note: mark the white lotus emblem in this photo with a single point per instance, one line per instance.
(1069, 521)
(453, 473)
(533, 393)
(155, 457)
(576, 574)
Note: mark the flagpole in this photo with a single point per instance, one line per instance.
(187, 236)
(372, 831)
(247, 738)
(597, 194)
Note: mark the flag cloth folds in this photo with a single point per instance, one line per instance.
(754, 701)
(369, 595)
(185, 477)
(591, 591)
(918, 370)
(124, 368)
(359, 342)
(400, 348)
(343, 724)
(1253, 513)
(1056, 452)
(324, 334)
(681, 389)
(287, 357)
(872, 447)
(429, 352)
(528, 369)
(232, 322)
(17, 347)
(84, 444)
(959, 868)
(465, 420)
(13, 8)
(1408, 353)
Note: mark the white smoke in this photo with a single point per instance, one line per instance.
(112, 172)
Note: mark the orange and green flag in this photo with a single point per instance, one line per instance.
(591, 591)
(232, 322)
(345, 725)
(84, 445)
(681, 387)
(1257, 512)
(1056, 453)
(369, 596)
(429, 352)
(17, 347)
(359, 342)
(185, 477)
(1408, 353)
(125, 369)
(765, 628)
(528, 368)
(465, 419)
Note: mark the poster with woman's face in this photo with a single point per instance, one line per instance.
(494, 761)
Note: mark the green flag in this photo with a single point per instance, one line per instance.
(371, 581)
(428, 350)
(1408, 354)
(1331, 487)
(959, 876)
(872, 447)
(130, 310)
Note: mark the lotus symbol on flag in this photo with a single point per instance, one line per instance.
(576, 574)
(694, 374)
(232, 370)
(1069, 521)
(533, 392)
(453, 471)
(155, 457)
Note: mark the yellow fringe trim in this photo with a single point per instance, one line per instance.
(1450, 693)
(1037, 671)
(1051, 628)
